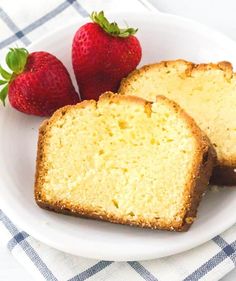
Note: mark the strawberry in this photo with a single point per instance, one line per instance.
(39, 83)
(102, 54)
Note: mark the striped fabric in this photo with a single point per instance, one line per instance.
(211, 261)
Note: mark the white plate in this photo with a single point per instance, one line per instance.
(162, 37)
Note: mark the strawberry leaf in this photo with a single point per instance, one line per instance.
(111, 28)
(3, 94)
(16, 59)
(2, 82)
(6, 75)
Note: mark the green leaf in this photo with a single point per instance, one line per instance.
(111, 28)
(16, 59)
(3, 94)
(6, 75)
(2, 82)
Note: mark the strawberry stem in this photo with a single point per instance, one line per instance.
(111, 28)
(16, 60)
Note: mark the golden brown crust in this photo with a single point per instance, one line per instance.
(190, 68)
(197, 183)
(224, 173)
(200, 184)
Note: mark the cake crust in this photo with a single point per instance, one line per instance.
(224, 171)
(195, 187)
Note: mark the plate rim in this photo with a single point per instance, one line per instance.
(19, 220)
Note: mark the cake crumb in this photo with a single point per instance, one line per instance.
(190, 220)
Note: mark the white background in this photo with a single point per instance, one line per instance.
(220, 14)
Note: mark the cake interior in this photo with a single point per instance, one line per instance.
(123, 158)
(209, 96)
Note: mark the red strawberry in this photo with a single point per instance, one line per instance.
(39, 83)
(102, 54)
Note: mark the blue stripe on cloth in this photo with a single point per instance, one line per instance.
(228, 249)
(79, 8)
(8, 41)
(27, 248)
(17, 33)
(142, 271)
(60, 8)
(20, 236)
(211, 263)
(8, 224)
(91, 271)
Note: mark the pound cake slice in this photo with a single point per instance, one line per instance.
(207, 92)
(124, 160)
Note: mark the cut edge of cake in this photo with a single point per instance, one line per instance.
(222, 174)
(196, 185)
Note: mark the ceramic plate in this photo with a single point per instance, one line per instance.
(162, 37)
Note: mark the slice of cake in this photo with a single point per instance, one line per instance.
(124, 160)
(207, 92)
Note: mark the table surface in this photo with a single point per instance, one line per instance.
(220, 16)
